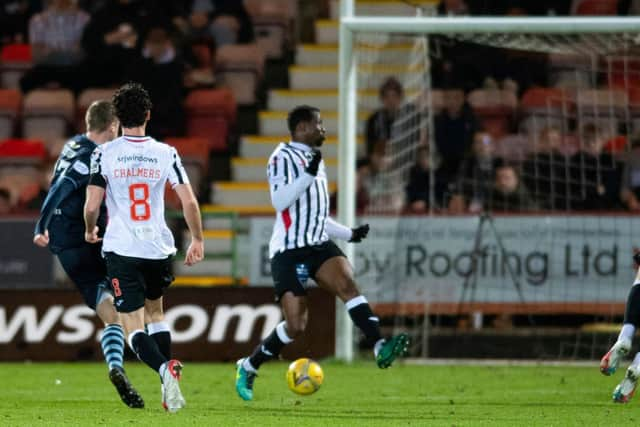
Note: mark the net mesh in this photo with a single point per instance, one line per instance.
(540, 126)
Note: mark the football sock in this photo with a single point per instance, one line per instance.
(112, 343)
(364, 319)
(632, 312)
(627, 332)
(160, 333)
(146, 348)
(270, 348)
(636, 361)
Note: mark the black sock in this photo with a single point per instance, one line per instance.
(270, 347)
(632, 312)
(147, 350)
(160, 333)
(365, 320)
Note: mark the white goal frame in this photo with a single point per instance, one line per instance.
(347, 87)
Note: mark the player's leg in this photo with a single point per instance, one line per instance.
(622, 346)
(335, 275)
(627, 387)
(157, 277)
(86, 268)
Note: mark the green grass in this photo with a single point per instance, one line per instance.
(359, 394)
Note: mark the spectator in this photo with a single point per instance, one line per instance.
(477, 172)
(454, 130)
(595, 175)
(200, 54)
(388, 121)
(419, 187)
(545, 171)
(5, 202)
(55, 36)
(630, 192)
(508, 194)
(226, 21)
(375, 187)
(112, 40)
(160, 71)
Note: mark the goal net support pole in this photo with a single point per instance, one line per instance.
(350, 25)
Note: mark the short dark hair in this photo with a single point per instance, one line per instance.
(391, 84)
(100, 115)
(132, 102)
(302, 113)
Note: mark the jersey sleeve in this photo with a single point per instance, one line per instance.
(79, 171)
(335, 230)
(287, 181)
(97, 176)
(177, 174)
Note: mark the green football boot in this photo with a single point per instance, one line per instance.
(391, 349)
(244, 381)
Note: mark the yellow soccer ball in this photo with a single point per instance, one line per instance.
(304, 376)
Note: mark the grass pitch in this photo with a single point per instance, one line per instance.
(360, 394)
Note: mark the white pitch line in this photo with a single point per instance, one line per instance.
(500, 362)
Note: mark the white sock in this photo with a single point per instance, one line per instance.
(162, 369)
(377, 347)
(627, 332)
(636, 361)
(246, 364)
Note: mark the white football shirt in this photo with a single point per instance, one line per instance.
(136, 170)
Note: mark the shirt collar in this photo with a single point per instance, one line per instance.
(300, 146)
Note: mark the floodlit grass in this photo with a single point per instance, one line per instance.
(360, 394)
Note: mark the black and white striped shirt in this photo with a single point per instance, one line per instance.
(301, 201)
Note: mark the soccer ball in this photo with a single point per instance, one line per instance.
(304, 376)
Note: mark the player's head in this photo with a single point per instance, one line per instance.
(101, 119)
(133, 105)
(305, 125)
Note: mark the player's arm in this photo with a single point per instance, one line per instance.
(94, 197)
(335, 230)
(284, 186)
(57, 193)
(191, 212)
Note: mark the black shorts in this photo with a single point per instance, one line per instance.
(292, 268)
(86, 269)
(135, 279)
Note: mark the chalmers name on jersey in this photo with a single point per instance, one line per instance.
(136, 170)
(301, 201)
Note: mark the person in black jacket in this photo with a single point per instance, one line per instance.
(418, 189)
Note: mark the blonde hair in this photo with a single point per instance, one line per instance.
(100, 115)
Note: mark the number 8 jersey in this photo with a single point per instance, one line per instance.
(134, 170)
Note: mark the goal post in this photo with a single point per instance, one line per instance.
(351, 25)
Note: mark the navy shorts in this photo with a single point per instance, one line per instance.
(292, 268)
(86, 268)
(135, 279)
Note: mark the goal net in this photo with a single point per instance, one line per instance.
(500, 180)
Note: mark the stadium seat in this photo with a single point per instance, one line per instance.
(194, 153)
(272, 23)
(602, 102)
(623, 71)
(22, 151)
(10, 100)
(210, 114)
(47, 113)
(15, 60)
(85, 99)
(544, 99)
(594, 7)
(240, 68)
(495, 109)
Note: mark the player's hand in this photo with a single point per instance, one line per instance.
(359, 233)
(42, 240)
(314, 162)
(92, 236)
(636, 258)
(195, 253)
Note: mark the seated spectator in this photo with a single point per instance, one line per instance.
(419, 187)
(226, 21)
(595, 175)
(112, 41)
(160, 71)
(5, 202)
(386, 122)
(508, 194)
(454, 126)
(630, 191)
(55, 36)
(376, 187)
(477, 173)
(199, 64)
(545, 171)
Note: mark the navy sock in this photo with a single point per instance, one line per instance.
(160, 333)
(632, 312)
(364, 319)
(146, 349)
(270, 347)
(112, 343)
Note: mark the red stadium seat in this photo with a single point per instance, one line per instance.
(192, 150)
(595, 7)
(10, 100)
(210, 114)
(15, 59)
(544, 98)
(22, 151)
(623, 72)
